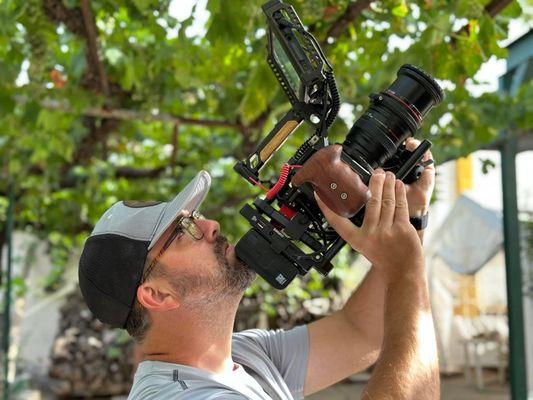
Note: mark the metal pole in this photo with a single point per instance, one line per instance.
(511, 228)
(7, 302)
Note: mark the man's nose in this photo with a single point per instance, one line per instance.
(210, 228)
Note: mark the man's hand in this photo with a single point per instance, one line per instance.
(386, 238)
(419, 192)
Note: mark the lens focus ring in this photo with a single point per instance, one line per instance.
(424, 79)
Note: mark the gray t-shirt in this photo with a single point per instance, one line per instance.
(270, 365)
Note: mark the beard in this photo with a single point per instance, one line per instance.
(237, 276)
(229, 280)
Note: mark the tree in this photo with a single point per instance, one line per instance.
(108, 100)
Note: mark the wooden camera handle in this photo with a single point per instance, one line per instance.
(339, 187)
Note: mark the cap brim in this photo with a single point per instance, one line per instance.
(189, 199)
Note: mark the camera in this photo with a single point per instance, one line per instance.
(289, 234)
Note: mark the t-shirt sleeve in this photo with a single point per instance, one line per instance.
(288, 350)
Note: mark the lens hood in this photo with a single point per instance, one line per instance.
(424, 79)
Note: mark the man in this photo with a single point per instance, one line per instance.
(171, 279)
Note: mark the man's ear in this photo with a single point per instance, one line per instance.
(156, 297)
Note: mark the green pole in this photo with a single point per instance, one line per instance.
(7, 302)
(517, 362)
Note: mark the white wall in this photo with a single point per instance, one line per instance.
(35, 316)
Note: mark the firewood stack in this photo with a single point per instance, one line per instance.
(88, 358)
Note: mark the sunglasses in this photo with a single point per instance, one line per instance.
(184, 224)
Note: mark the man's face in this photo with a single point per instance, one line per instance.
(206, 270)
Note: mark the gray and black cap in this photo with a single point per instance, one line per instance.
(114, 255)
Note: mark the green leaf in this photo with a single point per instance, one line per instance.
(6, 103)
(114, 55)
(128, 78)
(260, 89)
(229, 22)
(473, 30)
(213, 6)
(78, 65)
(469, 9)
(142, 5)
(31, 112)
(513, 10)
(401, 10)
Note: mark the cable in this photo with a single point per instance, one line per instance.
(285, 169)
(335, 98)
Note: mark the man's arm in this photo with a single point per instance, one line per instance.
(408, 364)
(350, 340)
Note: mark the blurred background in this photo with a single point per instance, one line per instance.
(105, 100)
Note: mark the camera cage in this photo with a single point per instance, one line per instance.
(306, 59)
(278, 238)
(289, 240)
(305, 76)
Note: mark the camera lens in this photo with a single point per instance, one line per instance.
(393, 116)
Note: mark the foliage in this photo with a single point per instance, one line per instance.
(69, 164)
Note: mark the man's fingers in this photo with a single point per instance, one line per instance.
(388, 201)
(411, 143)
(343, 226)
(401, 214)
(428, 156)
(428, 174)
(373, 206)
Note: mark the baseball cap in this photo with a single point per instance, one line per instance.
(114, 255)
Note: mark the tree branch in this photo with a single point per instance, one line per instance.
(93, 52)
(174, 154)
(72, 18)
(353, 11)
(496, 6)
(134, 115)
(131, 115)
(139, 173)
(492, 9)
(97, 134)
(81, 23)
(70, 181)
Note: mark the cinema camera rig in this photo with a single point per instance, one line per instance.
(289, 234)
